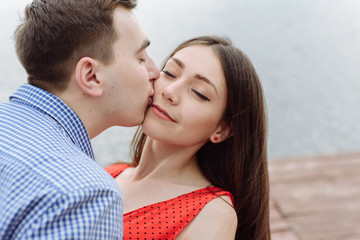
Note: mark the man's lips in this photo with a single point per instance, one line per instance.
(161, 113)
(150, 102)
(151, 96)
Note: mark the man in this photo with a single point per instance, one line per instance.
(88, 70)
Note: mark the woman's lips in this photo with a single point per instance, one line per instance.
(161, 113)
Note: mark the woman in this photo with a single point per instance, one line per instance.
(200, 168)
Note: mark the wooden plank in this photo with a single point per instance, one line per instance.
(278, 222)
(312, 167)
(327, 226)
(315, 197)
(286, 235)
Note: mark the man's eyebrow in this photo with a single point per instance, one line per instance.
(143, 46)
(197, 76)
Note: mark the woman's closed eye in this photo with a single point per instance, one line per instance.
(201, 96)
(168, 73)
(197, 93)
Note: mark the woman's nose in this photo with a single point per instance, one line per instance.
(171, 93)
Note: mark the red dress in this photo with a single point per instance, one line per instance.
(165, 220)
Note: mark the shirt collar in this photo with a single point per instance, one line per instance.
(53, 106)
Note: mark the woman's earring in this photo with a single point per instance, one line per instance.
(215, 139)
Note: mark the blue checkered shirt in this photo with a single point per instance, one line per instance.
(50, 185)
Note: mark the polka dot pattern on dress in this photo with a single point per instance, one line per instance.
(165, 220)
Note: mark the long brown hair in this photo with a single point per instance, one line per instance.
(238, 164)
(54, 35)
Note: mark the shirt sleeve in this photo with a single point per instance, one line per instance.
(81, 214)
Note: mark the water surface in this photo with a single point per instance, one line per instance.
(306, 54)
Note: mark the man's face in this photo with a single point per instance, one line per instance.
(128, 78)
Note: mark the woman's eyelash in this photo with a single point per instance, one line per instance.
(168, 73)
(200, 95)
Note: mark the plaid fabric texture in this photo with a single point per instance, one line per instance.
(50, 185)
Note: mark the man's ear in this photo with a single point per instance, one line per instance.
(222, 132)
(86, 77)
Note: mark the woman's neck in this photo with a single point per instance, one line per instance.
(170, 163)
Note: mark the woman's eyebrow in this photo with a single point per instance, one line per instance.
(178, 62)
(205, 79)
(197, 76)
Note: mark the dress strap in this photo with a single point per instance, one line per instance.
(219, 192)
(116, 169)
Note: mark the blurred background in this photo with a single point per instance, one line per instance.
(307, 54)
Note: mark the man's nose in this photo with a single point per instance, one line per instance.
(154, 71)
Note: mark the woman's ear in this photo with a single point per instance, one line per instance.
(222, 132)
(86, 77)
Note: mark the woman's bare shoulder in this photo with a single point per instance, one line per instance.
(217, 220)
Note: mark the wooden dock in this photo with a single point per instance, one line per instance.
(315, 198)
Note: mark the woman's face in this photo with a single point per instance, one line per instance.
(189, 99)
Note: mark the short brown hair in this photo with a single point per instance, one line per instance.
(54, 35)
